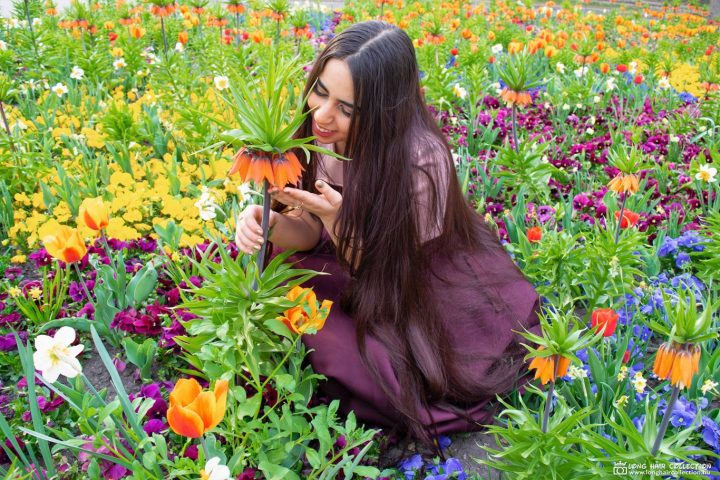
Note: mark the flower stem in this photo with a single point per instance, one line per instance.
(620, 219)
(82, 283)
(551, 392)
(162, 29)
(514, 129)
(665, 420)
(7, 126)
(204, 447)
(265, 226)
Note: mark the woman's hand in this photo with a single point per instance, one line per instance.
(325, 205)
(248, 231)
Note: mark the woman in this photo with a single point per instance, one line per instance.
(426, 299)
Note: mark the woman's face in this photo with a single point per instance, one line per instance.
(332, 104)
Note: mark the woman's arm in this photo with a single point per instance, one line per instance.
(293, 230)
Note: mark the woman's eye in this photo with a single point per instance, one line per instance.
(318, 92)
(345, 112)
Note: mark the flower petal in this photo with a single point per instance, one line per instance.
(184, 422)
(185, 391)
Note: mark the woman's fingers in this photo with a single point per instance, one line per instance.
(331, 195)
(294, 197)
(248, 232)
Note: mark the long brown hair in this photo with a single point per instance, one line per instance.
(395, 144)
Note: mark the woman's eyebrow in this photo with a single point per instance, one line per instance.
(322, 85)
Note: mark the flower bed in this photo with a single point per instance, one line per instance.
(590, 142)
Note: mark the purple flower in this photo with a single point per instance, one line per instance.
(41, 258)
(13, 273)
(154, 426)
(8, 343)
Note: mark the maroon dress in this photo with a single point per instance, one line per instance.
(485, 297)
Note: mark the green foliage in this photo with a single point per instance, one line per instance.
(526, 171)
(530, 453)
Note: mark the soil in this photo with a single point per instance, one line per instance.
(99, 377)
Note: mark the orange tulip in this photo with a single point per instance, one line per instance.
(545, 367)
(629, 219)
(94, 214)
(305, 315)
(183, 37)
(137, 32)
(193, 412)
(65, 245)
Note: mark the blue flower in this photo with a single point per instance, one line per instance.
(691, 239)
(668, 246)
(711, 433)
(681, 259)
(410, 465)
(639, 422)
(688, 97)
(684, 413)
(444, 441)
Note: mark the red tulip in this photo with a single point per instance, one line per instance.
(629, 219)
(638, 79)
(534, 234)
(454, 52)
(605, 320)
(622, 68)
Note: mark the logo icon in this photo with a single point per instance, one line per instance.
(620, 468)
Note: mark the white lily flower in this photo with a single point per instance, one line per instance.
(54, 356)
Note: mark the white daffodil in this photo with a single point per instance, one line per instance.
(119, 63)
(459, 91)
(179, 47)
(664, 83)
(59, 89)
(77, 73)
(706, 173)
(639, 382)
(54, 356)
(3, 45)
(497, 48)
(610, 84)
(707, 386)
(221, 82)
(214, 471)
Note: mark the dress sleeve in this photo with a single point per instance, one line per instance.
(431, 182)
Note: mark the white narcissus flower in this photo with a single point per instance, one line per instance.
(495, 49)
(206, 205)
(664, 83)
(119, 63)
(221, 82)
(3, 45)
(706, 173)
(459, 91)
(54, 356)
(77, 73)
(214, 471)
(179, 47)
(59, 89)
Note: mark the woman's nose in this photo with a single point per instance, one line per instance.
(323, 114)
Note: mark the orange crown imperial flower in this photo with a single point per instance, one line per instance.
(278, 169)
(679, 363)
(545, 367)
(94, 214)
(306, 315)
(521, 99)
(65, 245)
(624, 183)
(192, 411)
